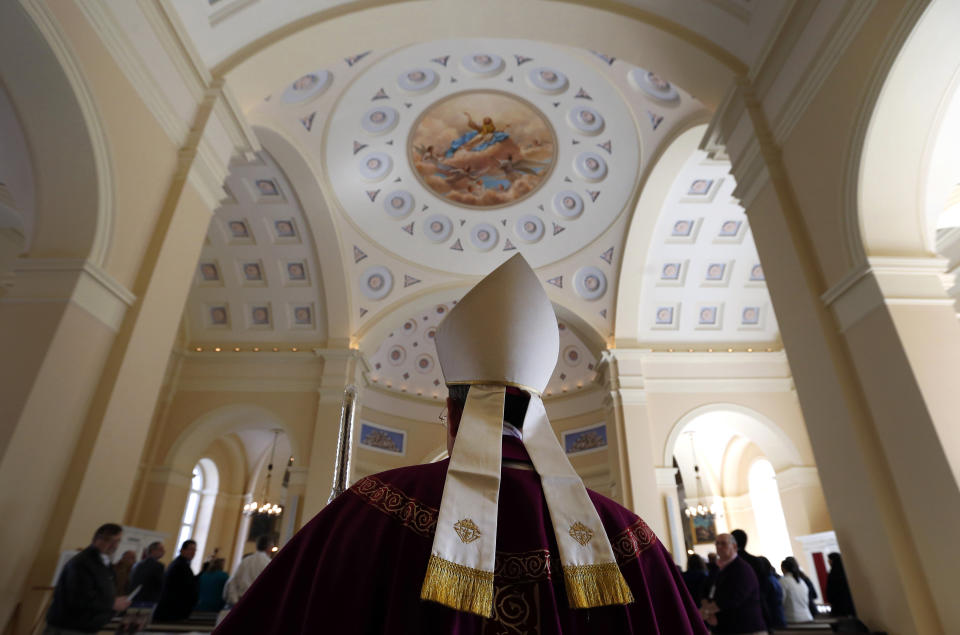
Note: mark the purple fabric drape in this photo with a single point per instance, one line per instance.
(358, 566)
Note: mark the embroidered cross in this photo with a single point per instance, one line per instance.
(468, 530)
(581, 533)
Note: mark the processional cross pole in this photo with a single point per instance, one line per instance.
(341, 470)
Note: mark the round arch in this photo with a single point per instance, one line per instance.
(763, 432)
(629, 33)
(190, 444)
(901, 175)
(73, 189)
(639, 235)
(334, 284)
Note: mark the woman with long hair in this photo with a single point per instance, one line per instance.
(796, 595)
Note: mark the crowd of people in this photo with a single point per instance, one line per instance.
(739, 592)
(90, 590)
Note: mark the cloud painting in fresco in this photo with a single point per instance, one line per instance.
(482, 149)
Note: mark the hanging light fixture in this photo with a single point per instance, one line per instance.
(700, 509)
(263, 505)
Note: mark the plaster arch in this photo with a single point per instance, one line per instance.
(220, 422)
(74, 189)
(904, 162)
(641, 230)
(228, 455)
(640, 37)
(335, 287)
(760, 429)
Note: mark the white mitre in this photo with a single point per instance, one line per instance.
(504, 333)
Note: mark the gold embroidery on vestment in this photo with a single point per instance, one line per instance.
(581, 533)
(467, 530)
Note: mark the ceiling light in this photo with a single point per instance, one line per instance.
(256, 349)
(729, 350)
(217, 349)
(236, 349)
(294, 349)
(198, 349)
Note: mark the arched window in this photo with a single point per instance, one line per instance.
(195, 523)
(773, 539)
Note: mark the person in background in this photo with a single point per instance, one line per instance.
(795, 593)
(248, 570)
(179, 593)
(733, 603)
(122, 567)
(775, 596)
(763, 581)
(696, 578)
(210, 587)
(712, 566)
(838, 591)
(85, 597)
(811, 590)
(148, 575)
(209, 561)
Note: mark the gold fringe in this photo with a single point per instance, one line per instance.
(592, 585)
(458, 587)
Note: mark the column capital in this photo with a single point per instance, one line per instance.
(666, 477)
(69, 280)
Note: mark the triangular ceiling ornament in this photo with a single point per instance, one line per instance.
(566, 179)
(522, 59)
(462, 222)
(556, 104)
(308, 121)
(457, 246)
(381, 94)
(575, 142)
(607, 145)
(603, 314)
(397, 180)
(407, 104)
(408, 228)
(409, 281)
(503, 222)
(353, 59)
(582, 94)
(358, 254)
(390, 143)
(655, 119)
(540, 207)
(509, 246)
(453, 80)
(424, 208)
(593, 195)
(607, 256)
(557, 282)
(442, 61)
(357, 146)
(557, 229)
(363, 311)
(372, 194)
(510, 79)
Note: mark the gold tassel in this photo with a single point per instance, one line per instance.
(590, 585)
(459, 587)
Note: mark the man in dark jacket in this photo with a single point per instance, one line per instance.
(148, 575)
(85, 597)
(734, 601)
(763, 580)
(179, 594)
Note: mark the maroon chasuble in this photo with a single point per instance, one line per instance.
(358, 566)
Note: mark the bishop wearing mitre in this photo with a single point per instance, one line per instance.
(502, 537)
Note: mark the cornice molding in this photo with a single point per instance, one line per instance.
(666, 477)
(798, 477)
(63, 280)
(246, 384)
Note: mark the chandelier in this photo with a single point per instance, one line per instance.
(700, 509)
(262, 505)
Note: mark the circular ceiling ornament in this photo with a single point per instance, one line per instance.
(572, 355)
(307, 87)
(375, 166)
(437, 228)
(568, 204)
(418, 80)
(482, 64)
(396, 355)
(376, 282)
(398, 203)
(379, 120)
(409, 327)
(424, 364)
(529, 228)
(586, 120)
(548, 80)
(652, 84)
(590, 166)
(484, 236)
(590, 283)
(503, 151)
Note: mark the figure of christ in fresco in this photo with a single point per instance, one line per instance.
(500, 160)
